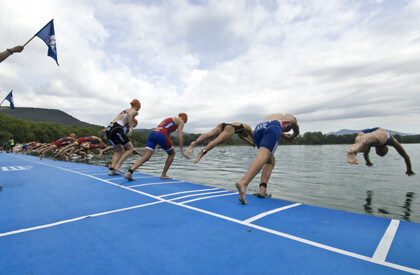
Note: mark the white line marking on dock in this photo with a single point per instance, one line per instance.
(77, 219)
(15, 168)
(85, 171)
(209, 197)
(386, 241)
(200, 194)
(101, 174)
(185, 192)
(154, 183)
(118, 177)
(259, 216)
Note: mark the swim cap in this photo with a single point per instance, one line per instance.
(184, 116)
(135, 103)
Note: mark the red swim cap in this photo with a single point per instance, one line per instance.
(135, 103)
(184, 116)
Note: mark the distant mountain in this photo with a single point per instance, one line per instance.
(43, 115)
(350, 132)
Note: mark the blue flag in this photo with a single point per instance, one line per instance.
(9, 97)
(47, 34)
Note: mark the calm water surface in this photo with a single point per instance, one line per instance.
(316, 175)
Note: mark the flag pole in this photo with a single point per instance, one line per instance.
(35, 35)
(29, 41)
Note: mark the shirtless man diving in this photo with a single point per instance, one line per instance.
(380, 139)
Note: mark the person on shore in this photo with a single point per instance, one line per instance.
(160, 136)
(380, 139)
(267, 136)
(221, 133)
(12, 144)
(118, 139)
(58, 144)
(5, 54)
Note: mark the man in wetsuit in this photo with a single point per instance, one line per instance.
(380, 139)
(267, 136)
(160, 136)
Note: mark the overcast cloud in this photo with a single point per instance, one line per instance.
(332, 64)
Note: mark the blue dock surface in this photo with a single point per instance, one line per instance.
(72, 218)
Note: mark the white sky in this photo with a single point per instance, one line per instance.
(332, 64)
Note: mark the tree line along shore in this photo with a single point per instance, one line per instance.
(24, 131)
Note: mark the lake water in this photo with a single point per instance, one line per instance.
(316, 175)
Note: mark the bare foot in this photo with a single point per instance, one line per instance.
(351, 157)
(165, 177)
(119, 170)
(129, 176)
(262, 192)
(113, 173)
(242, 190)
(191, 148)
(200, 155)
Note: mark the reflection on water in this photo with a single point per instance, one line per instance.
(314, 175)
(407, 205)
(382, 211)
(368, 205)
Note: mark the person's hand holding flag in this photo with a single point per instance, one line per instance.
(47, 34)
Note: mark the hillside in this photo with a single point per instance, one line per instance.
(43, 115)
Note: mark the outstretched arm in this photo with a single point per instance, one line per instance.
(5, 54)
(251, 142)
(291, 138)
(402, 152)
(131, 115)
(288, 137)
(180, 138)
(366, 156)
(135, 152)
